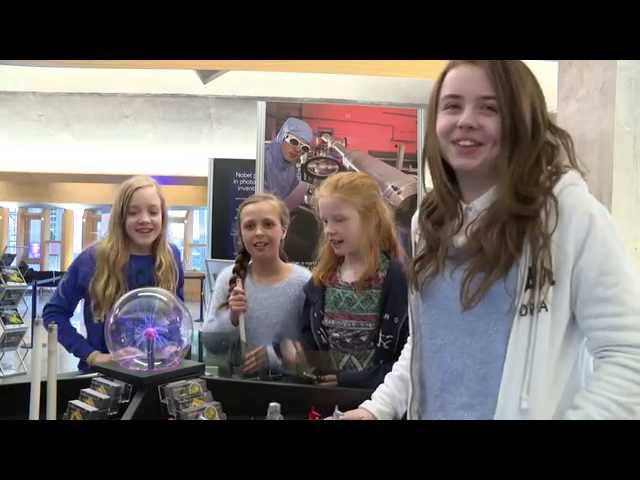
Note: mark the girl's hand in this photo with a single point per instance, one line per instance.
(255, 360)
(328, 380)
(100, 358)
(357, 414)
(127, 353)
(237, 302)
(293, 357)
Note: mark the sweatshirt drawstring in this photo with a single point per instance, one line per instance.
(526, 269)
(528, 365)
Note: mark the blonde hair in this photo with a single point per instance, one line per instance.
(109, 281)
(362, 192)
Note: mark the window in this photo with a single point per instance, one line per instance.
(34, 238)
(188, 232)
(54, 244)
(177, 230)
(199, 239)
(12, 240)
(55, 224)
(176, 235)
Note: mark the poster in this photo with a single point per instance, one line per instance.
(233, 180)
(305, 143)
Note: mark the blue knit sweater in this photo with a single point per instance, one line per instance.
(74, 287)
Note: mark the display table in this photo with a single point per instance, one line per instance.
(241, 399)
(145, 403)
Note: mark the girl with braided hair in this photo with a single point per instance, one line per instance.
(261, 284)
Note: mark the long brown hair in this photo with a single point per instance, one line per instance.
(534, 154)
(109, 281)
(240, 266)
(362, 192)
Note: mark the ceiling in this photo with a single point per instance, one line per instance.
(237, 77)
(426, 69)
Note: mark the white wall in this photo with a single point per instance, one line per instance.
(122, 134)
(166, 122)
(357, 88)
(546, 73)
(313, 86)
(158, 122)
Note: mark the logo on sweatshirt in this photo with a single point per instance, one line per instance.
(546, 278)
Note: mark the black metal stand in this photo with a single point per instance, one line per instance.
(40, 279)
(145, 403)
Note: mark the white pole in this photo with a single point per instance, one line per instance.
(52, 371)
(36, 370)
(241, 324)
(243, 329)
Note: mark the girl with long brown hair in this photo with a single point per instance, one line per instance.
(524, 303)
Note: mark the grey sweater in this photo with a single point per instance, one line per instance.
(274, 312)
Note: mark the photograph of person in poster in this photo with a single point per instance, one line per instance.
(305, 143)
(281, 159)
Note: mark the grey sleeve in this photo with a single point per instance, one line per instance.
(218, 320)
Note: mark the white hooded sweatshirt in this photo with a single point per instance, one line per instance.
(573, 354)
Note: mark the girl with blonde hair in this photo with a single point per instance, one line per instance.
(135, 253)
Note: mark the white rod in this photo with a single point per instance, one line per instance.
(243, 330)
(52, 371)
(36, 370)
(241, 324)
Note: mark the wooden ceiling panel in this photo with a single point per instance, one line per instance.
(427, 69)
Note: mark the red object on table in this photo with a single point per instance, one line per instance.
(314, 415)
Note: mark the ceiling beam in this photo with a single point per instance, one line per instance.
(207, 76)
(427, 69)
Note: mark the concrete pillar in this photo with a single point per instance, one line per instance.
(599, 104)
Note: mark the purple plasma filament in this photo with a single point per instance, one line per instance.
(150, 333)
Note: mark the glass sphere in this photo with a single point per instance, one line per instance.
(149, 329)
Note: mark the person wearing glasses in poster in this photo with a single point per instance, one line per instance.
(280, 158)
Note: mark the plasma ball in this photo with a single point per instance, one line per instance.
(150, 333)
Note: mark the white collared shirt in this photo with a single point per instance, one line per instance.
(471, 211)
